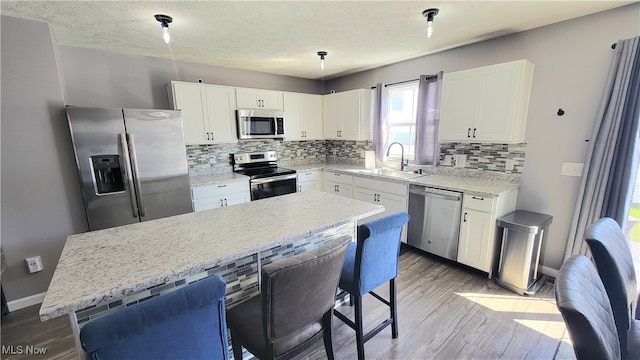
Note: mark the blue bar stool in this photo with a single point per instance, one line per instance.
(369, 263)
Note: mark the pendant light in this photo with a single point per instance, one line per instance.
(164, 21)
(430, 14)
(322, 54)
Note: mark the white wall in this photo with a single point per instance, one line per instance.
(571, 62)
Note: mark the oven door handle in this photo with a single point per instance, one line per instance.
(273, 178)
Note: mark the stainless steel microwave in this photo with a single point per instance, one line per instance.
(260, 124)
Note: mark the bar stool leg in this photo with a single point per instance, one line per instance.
(357, 299)
(393, 309)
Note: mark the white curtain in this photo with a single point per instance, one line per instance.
(427, 149)
(610, 168)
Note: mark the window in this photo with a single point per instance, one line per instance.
(401, 119)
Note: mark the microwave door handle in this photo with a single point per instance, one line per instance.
(128, 174)
(136, 173)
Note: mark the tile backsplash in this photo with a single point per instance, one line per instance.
(215, 159)
(487, 157)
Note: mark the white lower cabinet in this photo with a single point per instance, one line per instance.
(391, 195)
(220, 195)
(479, 240)
(339, 184)
(310, 180)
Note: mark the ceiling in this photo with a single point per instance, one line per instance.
(283, 37)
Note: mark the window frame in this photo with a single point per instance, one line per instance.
(408, 155)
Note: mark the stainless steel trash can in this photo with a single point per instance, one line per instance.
(522, 235)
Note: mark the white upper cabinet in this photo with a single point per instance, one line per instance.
(258, 99)
(303, 116)
(208, 112)
(487, 104)
(347, 115)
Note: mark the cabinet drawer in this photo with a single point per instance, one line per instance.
(381, 185)
(205, 191)
(339, 178)
(308, 175)
(480, 203)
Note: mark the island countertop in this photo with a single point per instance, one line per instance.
(110, 263)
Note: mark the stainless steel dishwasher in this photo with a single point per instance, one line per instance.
(435, 220)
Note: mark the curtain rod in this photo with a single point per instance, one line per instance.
(613, 46)
(406, 81)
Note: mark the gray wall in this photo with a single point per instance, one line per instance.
(571, 63)
(108, 79)
(41, 204)
(41, 198)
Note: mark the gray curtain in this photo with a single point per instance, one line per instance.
(427, 149)
(610, 169)
(380, 127)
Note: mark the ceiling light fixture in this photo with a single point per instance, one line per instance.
(430, 14)
(165, 20)
(322, 54)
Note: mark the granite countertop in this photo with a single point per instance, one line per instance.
(107, 264)
(468, 185)
(470, 182)
(203, 180)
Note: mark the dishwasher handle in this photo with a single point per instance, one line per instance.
(442, 194)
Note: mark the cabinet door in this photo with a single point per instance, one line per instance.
(270, 99)
(309, 185)
(311, 116)
(338, 189)
(351, 115)
(236, 198)
(189, 98)
(457, 107)
(293, 116)
(366, 195)
(221, 114)
(208, 203)
(496, 102)
(332, 115)
(258, 99)
(475, 233)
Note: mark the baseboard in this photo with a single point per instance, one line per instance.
(549, 271)
(26, 302)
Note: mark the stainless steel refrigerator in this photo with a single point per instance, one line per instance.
(132, 164)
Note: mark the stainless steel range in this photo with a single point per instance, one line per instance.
(266, 178)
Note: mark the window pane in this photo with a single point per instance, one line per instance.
(401, 119)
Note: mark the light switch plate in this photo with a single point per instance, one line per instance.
(447, 160)
(461, 161)
(572, 169)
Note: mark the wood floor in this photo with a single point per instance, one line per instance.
(445, 312)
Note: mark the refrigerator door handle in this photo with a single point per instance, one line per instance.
(128, 174)
(136, 174)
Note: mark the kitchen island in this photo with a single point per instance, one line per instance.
(102, 271)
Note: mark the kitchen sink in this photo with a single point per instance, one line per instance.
(388, 173)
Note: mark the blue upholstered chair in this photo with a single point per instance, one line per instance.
(369, 263)
(188, 323)
(612, 255)
(295, 307)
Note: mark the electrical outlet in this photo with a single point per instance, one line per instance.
(448, 160)
(335, 152)
(34, 264)
(212, 159)
(299, 152)
(571, 169)
(460, 161)
(509, 165)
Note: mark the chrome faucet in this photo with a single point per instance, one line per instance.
(402, 163)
